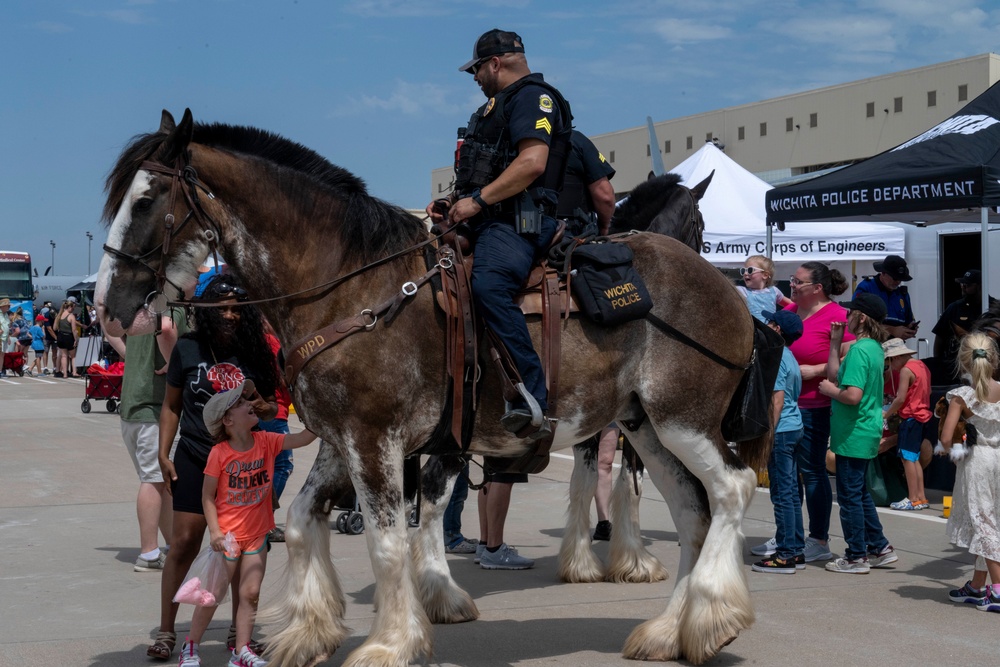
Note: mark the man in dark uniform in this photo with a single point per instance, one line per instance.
(958, 317)
(587, 200)
(886, 285)
(509, 173)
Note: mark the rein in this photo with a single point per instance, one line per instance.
(184, 177)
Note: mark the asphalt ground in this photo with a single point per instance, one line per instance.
(68, 595)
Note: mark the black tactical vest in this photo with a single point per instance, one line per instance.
(486, 151)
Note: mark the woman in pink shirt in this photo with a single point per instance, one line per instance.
(812, 286)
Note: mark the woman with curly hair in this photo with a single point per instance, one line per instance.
(226, 347)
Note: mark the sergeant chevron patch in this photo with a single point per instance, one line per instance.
(544, 124)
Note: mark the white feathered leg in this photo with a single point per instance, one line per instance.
(401, 631)
(443, 600)
(628, 559)
(715, 605)
(577, 561)
(309, 613)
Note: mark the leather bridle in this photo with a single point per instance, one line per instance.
(183, 178)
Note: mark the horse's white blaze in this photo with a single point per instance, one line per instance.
(116, 234)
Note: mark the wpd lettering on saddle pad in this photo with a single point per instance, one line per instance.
(607, 287)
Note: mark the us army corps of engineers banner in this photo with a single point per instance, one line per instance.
(808, 241)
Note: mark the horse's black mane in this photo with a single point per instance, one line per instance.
(373, 229)
(644, 203)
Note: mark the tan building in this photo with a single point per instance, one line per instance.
(797, 134)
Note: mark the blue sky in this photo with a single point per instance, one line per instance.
(373, 85)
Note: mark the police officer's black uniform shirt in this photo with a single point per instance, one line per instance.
(533, 115)
(586, 161)
(962, 313)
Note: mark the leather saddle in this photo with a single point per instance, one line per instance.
(544, 293)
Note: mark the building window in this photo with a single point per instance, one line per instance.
(708, 136)
(690, 143)
(814, 120)
(763, 129)
(963, 92)
(611, 157)
(741, 133)
(789, 125)
(648, 152)
(932, 98)
(897, 105)
(666, 146)
(439, 188)
(870, 110)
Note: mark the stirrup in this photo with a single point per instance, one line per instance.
(536, 411)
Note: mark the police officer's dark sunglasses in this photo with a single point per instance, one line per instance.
(479, 63)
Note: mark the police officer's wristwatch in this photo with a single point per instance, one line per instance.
(477, 196)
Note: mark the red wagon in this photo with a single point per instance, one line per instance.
(14, 362)
(102, 386)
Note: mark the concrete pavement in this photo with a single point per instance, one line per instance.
(70, 597)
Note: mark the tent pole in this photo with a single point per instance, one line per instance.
(770, 244)
(984, 215)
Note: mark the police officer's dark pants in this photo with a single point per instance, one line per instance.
(503, 261)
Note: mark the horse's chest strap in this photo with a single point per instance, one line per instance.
(306, 349)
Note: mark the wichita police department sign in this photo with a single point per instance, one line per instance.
(953, 166)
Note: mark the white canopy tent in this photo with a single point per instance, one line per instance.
(735, 226)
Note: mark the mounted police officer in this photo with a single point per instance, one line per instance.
(587, 200)
(509, 173)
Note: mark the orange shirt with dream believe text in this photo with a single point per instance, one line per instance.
(243, 498)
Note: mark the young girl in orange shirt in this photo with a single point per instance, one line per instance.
(237, 499)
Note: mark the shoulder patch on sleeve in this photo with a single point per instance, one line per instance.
(600, 156)
(545, 103)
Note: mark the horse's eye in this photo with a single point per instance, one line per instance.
(142, 205)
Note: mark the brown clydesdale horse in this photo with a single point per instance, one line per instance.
(287, 220)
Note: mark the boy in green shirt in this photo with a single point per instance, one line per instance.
(855, 430)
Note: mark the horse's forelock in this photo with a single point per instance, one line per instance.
(119, 180)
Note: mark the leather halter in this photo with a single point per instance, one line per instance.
(184, 178)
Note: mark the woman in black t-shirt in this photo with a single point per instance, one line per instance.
(226, 346)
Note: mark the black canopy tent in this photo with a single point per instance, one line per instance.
(950, 173)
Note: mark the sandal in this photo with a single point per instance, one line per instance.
(162, 646)
(276, 535)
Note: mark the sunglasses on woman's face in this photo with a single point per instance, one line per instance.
(220, 290)
(750, 270)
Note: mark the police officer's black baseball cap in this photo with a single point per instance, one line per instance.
(493, 43)
(895, 266)
(972, 277)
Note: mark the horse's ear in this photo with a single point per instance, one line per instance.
(178, 140)
(167, 123)
(699, 190)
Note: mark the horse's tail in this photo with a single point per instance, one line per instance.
(756, 451)
(749, 419)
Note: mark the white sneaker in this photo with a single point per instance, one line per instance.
(847, 566)
(816, 550)
(505, 558)
(769, 548)
(189, 656)
(246, 658)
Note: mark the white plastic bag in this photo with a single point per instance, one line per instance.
(207, 582)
